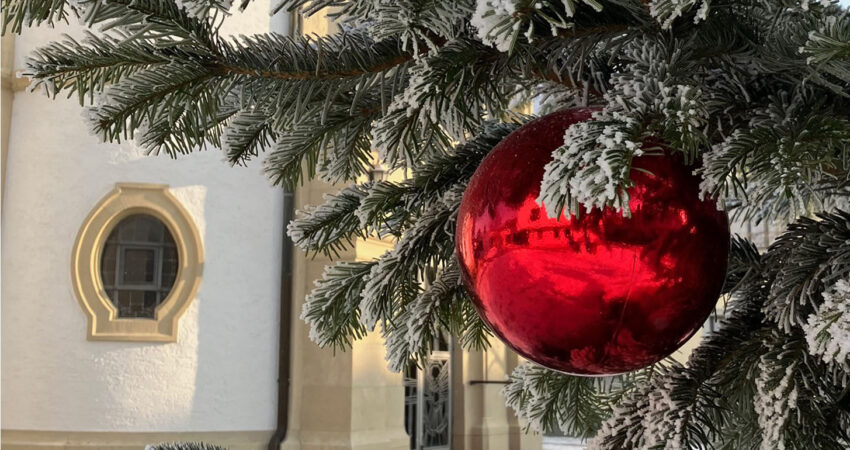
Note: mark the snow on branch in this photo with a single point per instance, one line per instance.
(667, 11)
(411, 334)
(330, 310)
(499, 22)
(653, 102)
(395, 279)
(810, 255)
(828, 328)
(775, 400)
(446, 99)
(827, 51)
(331, 227)
(550, 400)
(778, 164)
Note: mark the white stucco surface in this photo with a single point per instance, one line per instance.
(221, 373)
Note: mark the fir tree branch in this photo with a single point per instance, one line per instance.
(249, 131)
(411, 333)
(426, 245)
(788, 159)
(388, 208)
(744, 262)
(393, 207)
(797, 396)
(284, 77)
(152, 19)
(18, 14)
(186, 129)
(131, 102)
(331, 309)
(435, 173)
(828, 49)
(335, 57)
(553, 401)
(467, 324)
(331, 227)
(90, 65)
(810, 255)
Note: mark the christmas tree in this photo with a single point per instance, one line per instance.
(752, 93)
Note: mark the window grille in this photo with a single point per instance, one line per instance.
(139, 265)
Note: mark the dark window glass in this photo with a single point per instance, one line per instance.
(139, 265)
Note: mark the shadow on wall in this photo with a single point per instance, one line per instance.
(237, 321)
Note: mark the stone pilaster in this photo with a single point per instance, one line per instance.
(482, 421)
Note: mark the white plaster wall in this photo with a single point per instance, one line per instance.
(221, 373)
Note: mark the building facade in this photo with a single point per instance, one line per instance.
(141, 301)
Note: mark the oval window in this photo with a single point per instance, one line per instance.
(139, 265)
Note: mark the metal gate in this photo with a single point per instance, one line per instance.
(427, 400)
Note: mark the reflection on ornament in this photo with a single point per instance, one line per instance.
(594, 295)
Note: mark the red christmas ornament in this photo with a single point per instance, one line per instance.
(599, 294)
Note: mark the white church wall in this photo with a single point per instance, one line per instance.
(221, 373)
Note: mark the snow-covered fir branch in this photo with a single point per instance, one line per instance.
(394, 280)
(828, 328)
(332, 226)
(203, 8)
(331, 309)
(785, 146)
(775, 400)
(501, 22)
(667, 11)
(421, 25)
(411, 334)
(592, 168)
(810, 255)
(548, 400)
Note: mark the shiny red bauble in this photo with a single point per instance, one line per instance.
(598, 294)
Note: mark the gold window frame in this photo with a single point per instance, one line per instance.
(125, 200)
